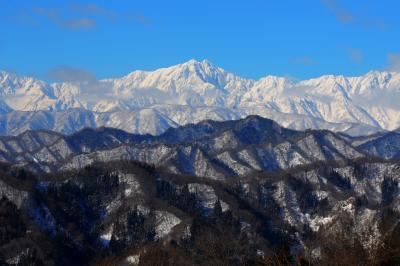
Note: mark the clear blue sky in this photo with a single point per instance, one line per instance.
(251, 38)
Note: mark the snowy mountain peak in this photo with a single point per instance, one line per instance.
(203, 63)
(205, 70)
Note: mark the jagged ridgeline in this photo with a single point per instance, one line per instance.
(241, 192)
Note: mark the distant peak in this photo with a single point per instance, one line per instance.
(191, 62)
(205, 67)
(256, 119)
(206, 62)
(203, 63)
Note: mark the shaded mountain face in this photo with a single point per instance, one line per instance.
(152, 101)
(252, 130)
(383, 145)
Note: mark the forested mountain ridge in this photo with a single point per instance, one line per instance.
(224, 148)
(240, 192)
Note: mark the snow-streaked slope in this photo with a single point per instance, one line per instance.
(193, 91)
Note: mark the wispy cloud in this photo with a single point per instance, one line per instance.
(91, 89)
(137, 18)
(80, 23)
(394, 62)
(93, 9)
(64, 20)
(303, 60)
(70, 74)
(346, 16)
(77, 16)
(355, 55)
(142, 19)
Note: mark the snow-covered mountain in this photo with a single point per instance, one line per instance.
(152, 101)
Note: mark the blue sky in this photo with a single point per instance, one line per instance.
(252, 38)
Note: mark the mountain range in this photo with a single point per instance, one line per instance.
(152, 101)
(213, 149)
(235, 192)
